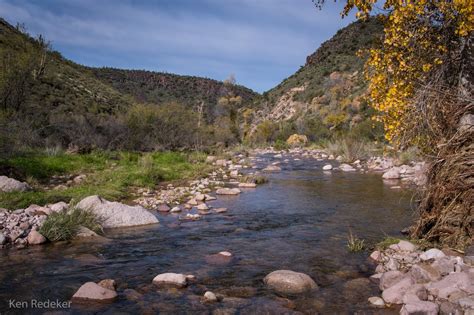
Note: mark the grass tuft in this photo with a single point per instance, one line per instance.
(64, 225)
(355, 244)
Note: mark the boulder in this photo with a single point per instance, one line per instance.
(58, 206)
(176, 209)
(116, 214)
(202, 207)
(84, 232)
(403, 246)
(171, 279)
(8, 184)
(451, 284)
(289, 282)
(395, 293)
(228, 191)
(35, 238)
(390, 278)
(92, 292)
(393, 173)
(419, 307)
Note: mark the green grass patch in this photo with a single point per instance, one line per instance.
(386, 242)
(109, 174)
(355, 244)
(64, 225)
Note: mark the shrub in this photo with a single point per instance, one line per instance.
(280, 145)
(64, 225)
(351, 149)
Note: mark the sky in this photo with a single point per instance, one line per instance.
(261, 42)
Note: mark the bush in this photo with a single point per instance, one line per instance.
(355, 244)
(351, 149)
(64, 225)
(280, 145)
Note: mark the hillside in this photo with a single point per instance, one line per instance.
(323, 97)
(47, 100)
(159, 88)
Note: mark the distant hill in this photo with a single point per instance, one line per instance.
(325, 95)
(159, 88)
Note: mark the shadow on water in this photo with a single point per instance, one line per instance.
(298, 221)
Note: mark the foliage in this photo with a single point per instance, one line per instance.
(355, 244)
(112, 175)
(64, 225)
(351, 149)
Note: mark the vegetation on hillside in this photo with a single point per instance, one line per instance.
(324, 98)
(421, 86)
(48, 101)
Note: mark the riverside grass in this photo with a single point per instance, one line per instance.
(112, 175)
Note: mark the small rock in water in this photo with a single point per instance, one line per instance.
(92, 292)
(220, 210)
(163, 208)
(225, 253)
(171, 279)
(228, 191)
(247, 185)
(289, 282)
(108, 284)
(327, 167)
(175, 209)
(393, 173)
(210, 297)
(346, 168)
(272, 168)
(202, 207)
(376, 301)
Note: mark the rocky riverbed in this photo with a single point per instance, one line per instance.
(223, 246)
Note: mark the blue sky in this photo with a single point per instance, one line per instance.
(260, 41)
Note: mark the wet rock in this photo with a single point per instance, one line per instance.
(327, 167)
(247, 185)
(376, 301)
(224, 311)
(272, 168)
(210, 297)
(84, 232)
(117, 214)
(419, 307)
(202, 207)
(35, 238)
(3, 239)
(220, 210)
(8, 184)
(171, 279)
(376, 256)
(228, 191)
(163, 208)
(132, 295)
(92, 292)
(346, 168)
(395, 293)
(289, 282)
(432, 254)
(108, 284)
(219, 259)
(175, 209)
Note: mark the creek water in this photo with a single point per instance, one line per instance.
(299, 220)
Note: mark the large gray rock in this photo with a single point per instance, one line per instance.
(35, 238)
(390, 278)
(452, 284)
(393, 173)
(92, 292)
(8, 184)
(289, 282)
(116, 214)
(228, 191)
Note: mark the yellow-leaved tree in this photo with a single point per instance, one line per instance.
(420, 81)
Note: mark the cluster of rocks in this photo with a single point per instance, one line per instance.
(424, 282)
(225, 179)
(60, 182)
(21, 227)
